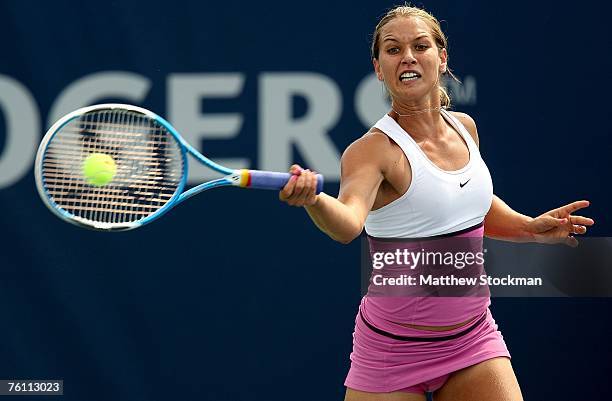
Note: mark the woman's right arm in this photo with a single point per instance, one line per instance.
(362, 171)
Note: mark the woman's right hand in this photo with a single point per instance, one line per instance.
(301, 188)
(362, 166)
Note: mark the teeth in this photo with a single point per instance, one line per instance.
(409, 76)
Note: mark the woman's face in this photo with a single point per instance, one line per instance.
(409, 61)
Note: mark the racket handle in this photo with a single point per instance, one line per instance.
(273, 180)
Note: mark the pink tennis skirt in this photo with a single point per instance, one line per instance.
(421, 361)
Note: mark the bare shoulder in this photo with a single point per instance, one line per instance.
(469, 123)
(374, 137)
(372, 143)
(371, 149)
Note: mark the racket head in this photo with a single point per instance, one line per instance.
(150, 158)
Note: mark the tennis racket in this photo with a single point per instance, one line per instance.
(150, 168)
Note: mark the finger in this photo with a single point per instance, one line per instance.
(572, 207)
(300, 184)
(295, 169)
(311, 188)
(571, 241)
(546, 223)
(313, 193)
(579, 229)
(306, 178)
(585, 221)
(288, 189)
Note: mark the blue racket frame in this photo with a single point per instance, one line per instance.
(241, 178)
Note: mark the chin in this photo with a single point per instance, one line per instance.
(413, 91)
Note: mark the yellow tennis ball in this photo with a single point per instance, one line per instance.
(99, 169)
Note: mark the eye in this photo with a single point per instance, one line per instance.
(421, 47)
(393, 50)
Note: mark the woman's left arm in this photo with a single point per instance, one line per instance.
(555, 226)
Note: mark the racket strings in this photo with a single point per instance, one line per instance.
(148, 159)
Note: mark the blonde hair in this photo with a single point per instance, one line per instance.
(436, 32)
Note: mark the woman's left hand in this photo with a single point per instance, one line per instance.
(559, 225)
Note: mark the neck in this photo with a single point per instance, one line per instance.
(421, 122)
(417, 112)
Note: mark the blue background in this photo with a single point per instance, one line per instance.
(264, 308)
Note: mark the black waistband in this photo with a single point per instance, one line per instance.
(423, 339)
(433, 237)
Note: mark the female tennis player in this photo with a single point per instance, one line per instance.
(418, 173)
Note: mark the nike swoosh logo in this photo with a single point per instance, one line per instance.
(463, 185)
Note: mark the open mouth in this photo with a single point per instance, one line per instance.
(409, 76)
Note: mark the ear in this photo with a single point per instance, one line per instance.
(377, 69)
(443, 61)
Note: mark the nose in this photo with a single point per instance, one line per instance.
(408, 57)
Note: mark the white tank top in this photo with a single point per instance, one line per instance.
(437, 201)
